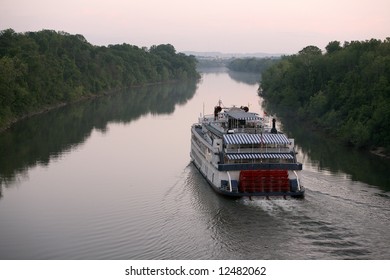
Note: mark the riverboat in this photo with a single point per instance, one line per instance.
(240, 153)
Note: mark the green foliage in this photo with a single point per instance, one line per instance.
(256, 65)
(345, 90)
(333, 47)
(42, 69)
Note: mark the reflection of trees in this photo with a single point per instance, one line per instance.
(214, 70)
(241, 77)
(47, 136)
(330, 154)
(245, 77)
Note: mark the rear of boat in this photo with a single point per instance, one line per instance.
(262, 183)
(268, 183)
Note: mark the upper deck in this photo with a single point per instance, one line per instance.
(243, 130)
(233, 119)
(242, 140)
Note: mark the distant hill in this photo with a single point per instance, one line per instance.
(220, 59)
(213, 55)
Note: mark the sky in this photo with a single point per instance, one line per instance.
(228, 26)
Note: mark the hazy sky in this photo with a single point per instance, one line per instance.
(240, 26)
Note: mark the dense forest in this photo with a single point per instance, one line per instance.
(39, 70)
(345, 90)
(252, 64)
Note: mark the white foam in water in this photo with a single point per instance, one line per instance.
(272, 206)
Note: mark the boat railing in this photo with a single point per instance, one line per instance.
(258, 150)
(255, 161)
(249, 130)
(217, 126)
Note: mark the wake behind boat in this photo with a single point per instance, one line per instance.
(241, 155)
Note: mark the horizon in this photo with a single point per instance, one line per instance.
(229, 26)
(207, 52)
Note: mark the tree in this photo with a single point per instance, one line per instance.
(310, 50)
(46, 68)
(345, 91)
(333, 46)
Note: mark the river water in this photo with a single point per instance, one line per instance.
(111, 178)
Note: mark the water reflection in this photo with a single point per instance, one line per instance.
(129, 193)
(227, 228)
(46, 137)
(237, 230)
(327, 153)
(212, 70)
(243, 77)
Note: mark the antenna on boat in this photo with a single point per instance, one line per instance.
(203, 108)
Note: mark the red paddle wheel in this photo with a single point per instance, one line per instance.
(252, 181)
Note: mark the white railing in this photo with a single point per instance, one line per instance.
(258, 150)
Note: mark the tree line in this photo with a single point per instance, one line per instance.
(345, 90)
(252, 64)
(42, 69)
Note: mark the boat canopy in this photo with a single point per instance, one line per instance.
(235, 156)
(242, 115)
(248, 139)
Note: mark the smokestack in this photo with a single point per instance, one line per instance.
(217, 109)
(273, 130)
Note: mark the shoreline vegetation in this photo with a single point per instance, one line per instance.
(44, 70)
(344, 91)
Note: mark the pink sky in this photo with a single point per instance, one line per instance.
(238, 26)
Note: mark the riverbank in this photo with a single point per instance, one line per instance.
(46, 109)
(344, 90)
(11, 122)
(45, 69)
(287, 116)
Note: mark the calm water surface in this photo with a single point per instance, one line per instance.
(111, 179)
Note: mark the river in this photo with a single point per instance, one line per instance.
(111, 178)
